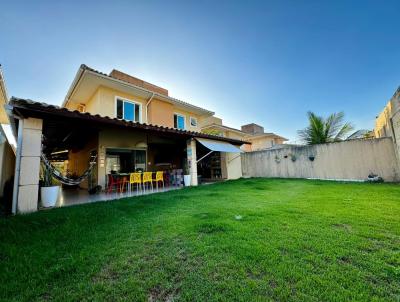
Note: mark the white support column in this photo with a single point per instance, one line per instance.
(28, 184)
(192, 160)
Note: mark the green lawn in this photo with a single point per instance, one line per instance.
(296, 240)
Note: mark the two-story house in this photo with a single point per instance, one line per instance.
(122, 123)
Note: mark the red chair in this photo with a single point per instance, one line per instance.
(113, 182)
(124, 182)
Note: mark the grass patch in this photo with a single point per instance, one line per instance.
(250, 239)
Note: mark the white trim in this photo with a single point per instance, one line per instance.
(184, 120)
(190, 122)
(147, 107)
(128, 101)
(71, 90)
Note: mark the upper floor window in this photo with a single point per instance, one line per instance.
(193, 121)
(179, 121)
(128, 110)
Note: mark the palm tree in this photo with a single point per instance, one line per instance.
(321, 130)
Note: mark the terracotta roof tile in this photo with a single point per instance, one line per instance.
(28, 106)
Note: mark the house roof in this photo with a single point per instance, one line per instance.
(246, 135)
(223, 127)
(85, 71)
(265, 134)
(362, 133)
(29, 108)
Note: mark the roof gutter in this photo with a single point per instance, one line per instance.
(147, 107)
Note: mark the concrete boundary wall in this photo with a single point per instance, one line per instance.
(352, 160)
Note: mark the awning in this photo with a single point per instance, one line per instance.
(214, 145)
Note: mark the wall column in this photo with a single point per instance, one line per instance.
(31, 145)
(192, 160)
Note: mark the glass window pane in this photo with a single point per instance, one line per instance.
(137, 113)
(119, 109)
(175, 121)
(129, 113)
(181, 122)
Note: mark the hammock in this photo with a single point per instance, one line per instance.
(65, 180)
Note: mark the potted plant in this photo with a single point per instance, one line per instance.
(48, 189)
(186, 176)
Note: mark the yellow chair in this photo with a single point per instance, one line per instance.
(160, 177)
(147, 178)
(135, 178)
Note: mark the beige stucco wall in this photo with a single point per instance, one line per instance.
(187, 115)
(353, 160)
(209, 120)
(161, 113)
(103, 102)
(262, 143)
(232, 160)
(78, 161)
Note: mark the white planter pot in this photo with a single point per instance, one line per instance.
(187, 180)
(49, 196)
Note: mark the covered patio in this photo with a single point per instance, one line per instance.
(114, 149)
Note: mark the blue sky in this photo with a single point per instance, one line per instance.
(267, 62)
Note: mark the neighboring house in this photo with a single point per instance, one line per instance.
(363, 133)
(259, 139)
(387, 123)
(252, 133)
(125, 124)
(213, 125)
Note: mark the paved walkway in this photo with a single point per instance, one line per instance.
(68, 197)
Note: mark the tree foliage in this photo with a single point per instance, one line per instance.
(325, 130)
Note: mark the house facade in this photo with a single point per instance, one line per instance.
(122, 123)
(252, 133)
(124, 97)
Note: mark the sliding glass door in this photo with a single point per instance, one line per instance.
(125, 160)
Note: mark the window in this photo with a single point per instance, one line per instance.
(128, 110)
(179, 121)
(193, 121)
